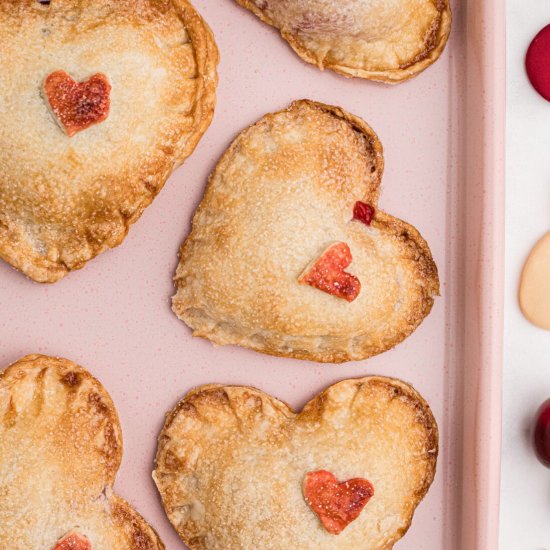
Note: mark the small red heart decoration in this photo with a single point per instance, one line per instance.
(336, 504)
(77, 105)
(73, 541)
(327, 273)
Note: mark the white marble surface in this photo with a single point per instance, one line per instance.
(525, 502)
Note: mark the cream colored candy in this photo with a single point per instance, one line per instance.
(534, 290)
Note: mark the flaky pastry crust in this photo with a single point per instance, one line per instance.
(60, 449)
(231, 462)
(63, 200)
(284, 191)
(384, 40)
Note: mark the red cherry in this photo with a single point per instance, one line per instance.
(537, 62)
(363, 212)
(541, 435)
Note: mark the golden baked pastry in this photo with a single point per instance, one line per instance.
(60, 449)
(237, 468)
(385, 40)
(289, 255)
(100, 100)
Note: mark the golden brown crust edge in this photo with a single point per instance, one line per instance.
(410, 237)
(41, 270)
(427, 58)
(207, 54)
(138, 531)
(142, 535)
(67, 369)
(217, 397)
(425, 416)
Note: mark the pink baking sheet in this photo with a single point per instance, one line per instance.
(442, 135)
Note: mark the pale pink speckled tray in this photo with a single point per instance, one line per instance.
(442, 133)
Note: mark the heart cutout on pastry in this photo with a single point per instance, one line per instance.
(232, 464)
(285, 190)
(60, 449)
(150, 97)
(77, 105)
(328, 274)
(73, 541)
(337, 503)
(384, 41)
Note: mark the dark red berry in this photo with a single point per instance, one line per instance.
(537, 62)
(363, 212)
(541, 434)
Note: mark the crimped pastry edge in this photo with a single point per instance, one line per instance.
(393, 76)
(23, 258)
(381, 220)
(122, 511)
(397, 387)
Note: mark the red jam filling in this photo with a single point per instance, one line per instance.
(336, 504)
(78, 105)
(73, 541)
(327, 273)
(363, 212)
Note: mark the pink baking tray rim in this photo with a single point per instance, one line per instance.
(486, 107)
(113, 317)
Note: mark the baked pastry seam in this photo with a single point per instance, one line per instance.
(60, 449)
(64, 200)
(282, 192)
(383, 43)
(231, 462)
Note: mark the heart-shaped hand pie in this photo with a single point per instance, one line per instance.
(384, 41)
(288, 188)
(77, 105)
(133, 83)
(60, 449)
(237, 468)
